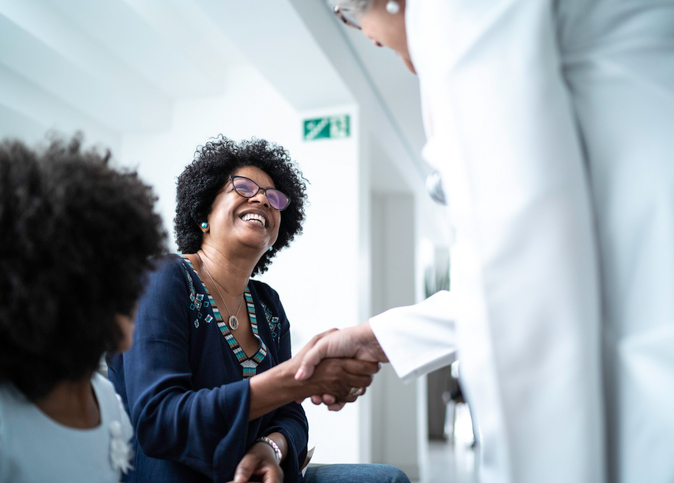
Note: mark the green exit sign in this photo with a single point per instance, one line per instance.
(331, 127)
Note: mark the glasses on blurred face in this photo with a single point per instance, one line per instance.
(249, 188)
(347, 15)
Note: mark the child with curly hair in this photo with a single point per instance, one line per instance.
(76, 238)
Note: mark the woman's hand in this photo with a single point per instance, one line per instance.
(331, 400)
(260, 462)
(356, 342)
(335, 378)
(339, 378)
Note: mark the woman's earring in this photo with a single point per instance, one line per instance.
(392, 7)
(204, 225)
(271, 248)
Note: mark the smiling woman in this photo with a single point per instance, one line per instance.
(209, 383)
(204, 179)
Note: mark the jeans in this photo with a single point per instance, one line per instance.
(354, 474)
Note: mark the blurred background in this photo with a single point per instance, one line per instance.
(153, 79)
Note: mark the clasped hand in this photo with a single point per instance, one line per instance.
(336, 381)
(333, 381)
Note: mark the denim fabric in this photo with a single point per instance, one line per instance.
(354, 474)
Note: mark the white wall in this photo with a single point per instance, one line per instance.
(394, 422)
(318, 277)
(404, 235)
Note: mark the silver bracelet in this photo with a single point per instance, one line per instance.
(277, 451)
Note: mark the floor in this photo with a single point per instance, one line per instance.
(451, 463)
(454, 461)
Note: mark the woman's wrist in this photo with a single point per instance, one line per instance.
(275, 388)
(278, 455)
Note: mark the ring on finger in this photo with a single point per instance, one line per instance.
(356, 391)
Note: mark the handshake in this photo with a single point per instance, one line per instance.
(336, 366)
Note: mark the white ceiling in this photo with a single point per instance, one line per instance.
(120, 65)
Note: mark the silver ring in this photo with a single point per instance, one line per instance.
(356, 391)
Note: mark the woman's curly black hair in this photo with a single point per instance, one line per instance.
(201, 181)
(75, 242)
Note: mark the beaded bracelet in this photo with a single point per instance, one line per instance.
(277, 451)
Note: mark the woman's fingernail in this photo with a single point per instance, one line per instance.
(299, 375)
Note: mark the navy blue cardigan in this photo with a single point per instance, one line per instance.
(183, 387)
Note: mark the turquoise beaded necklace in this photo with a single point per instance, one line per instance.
(248, 364)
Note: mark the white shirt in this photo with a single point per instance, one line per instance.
(552, 124)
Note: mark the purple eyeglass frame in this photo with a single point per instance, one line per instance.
(264, 190)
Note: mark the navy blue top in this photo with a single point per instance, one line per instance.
(184, 390)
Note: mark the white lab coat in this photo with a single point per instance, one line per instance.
(552, 124)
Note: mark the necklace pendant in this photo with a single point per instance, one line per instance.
(233, 322)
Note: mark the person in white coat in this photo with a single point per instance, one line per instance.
(552, 125)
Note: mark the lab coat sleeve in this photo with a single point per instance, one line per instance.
(417, 339)
(502, 132)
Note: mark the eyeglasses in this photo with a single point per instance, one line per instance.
(347, 15)
(249, 188)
